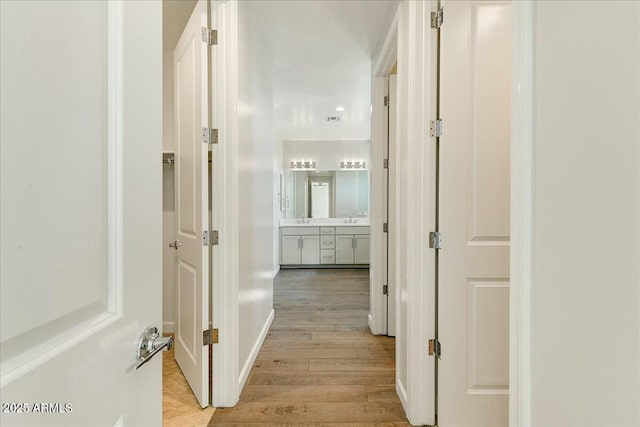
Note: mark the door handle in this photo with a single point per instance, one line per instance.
(150, 344)
(176, 244)
(353, 242)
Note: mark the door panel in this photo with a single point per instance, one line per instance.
(362, 250)
(344, 250)
(474, 212)
(290, 250)
(310, 250)
(80, 210)
(190, 62)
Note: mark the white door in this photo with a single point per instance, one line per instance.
(361, 251)
(310, 250)
(391, 206)
(344, 250)
(191, 283)
(290, 250)
(474, 214)
(80, 212)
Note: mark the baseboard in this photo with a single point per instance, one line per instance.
(370, 322)
(168, 327)
(246, 369)
(402, 394)
(275, 271)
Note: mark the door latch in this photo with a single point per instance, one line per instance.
(175, 244)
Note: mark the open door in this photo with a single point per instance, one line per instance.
(80, 212)
(474, 214)
(191, 283)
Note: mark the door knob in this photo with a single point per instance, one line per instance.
(150, 344)
(176, 244)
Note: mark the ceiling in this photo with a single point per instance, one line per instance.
(175, 14)
(321, 53)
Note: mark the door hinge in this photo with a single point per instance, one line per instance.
(437, 18)
(385, 163)
(210, 238)
(385, 227)
(209, 36)
(435, 240)
(435, 349)
(210, 336)
(385, 290)
(436, 128)
(386, 101)
(209, 136)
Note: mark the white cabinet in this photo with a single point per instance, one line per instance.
(300, 246)
(361, 249)
(310, 250)
(326, 245)
(290, 250)
(344, 250)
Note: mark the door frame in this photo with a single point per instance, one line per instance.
(383, 65)
(410, 27)
(522, 160)
(226, 382)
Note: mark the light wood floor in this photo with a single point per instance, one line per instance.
(320, 365)
(179, 406)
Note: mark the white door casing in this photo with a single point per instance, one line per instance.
(474, 214)
(191, 285)
(81, 210)
(391, 206)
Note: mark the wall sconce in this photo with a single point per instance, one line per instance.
(353, 164)
(303, 164)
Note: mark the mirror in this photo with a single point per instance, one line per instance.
(327, 194)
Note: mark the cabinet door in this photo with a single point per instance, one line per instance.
(290, 250)
(344, 249)
(362, 250)
(310, 250)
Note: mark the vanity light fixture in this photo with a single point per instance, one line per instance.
(339, 108)
(303, 164)
(353, 164)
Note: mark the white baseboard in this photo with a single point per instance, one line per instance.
(168, 327)
(246, 369)
(402, 394)
(275, 271)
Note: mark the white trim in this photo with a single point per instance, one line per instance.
(384, 62)
(248, 364)
(402, 394)
(521, 213)
(225, 391)
(16, 367)
(327, 140)
(275, 271)
(168, 327)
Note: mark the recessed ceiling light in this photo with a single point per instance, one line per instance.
(339, 108)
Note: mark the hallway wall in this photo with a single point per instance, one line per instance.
(255, 164)
(586, 214)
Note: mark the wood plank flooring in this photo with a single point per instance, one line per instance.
(320, 365)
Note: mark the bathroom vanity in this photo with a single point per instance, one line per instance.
(324, 243)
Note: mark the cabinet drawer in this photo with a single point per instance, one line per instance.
(327, 256)
(352, 230)
(327, 242)
(327, 230)
(300, 231)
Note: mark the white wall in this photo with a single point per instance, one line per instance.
(327, 154)
(255, 162)
(586, 213)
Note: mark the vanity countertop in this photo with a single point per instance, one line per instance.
(359, 222)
